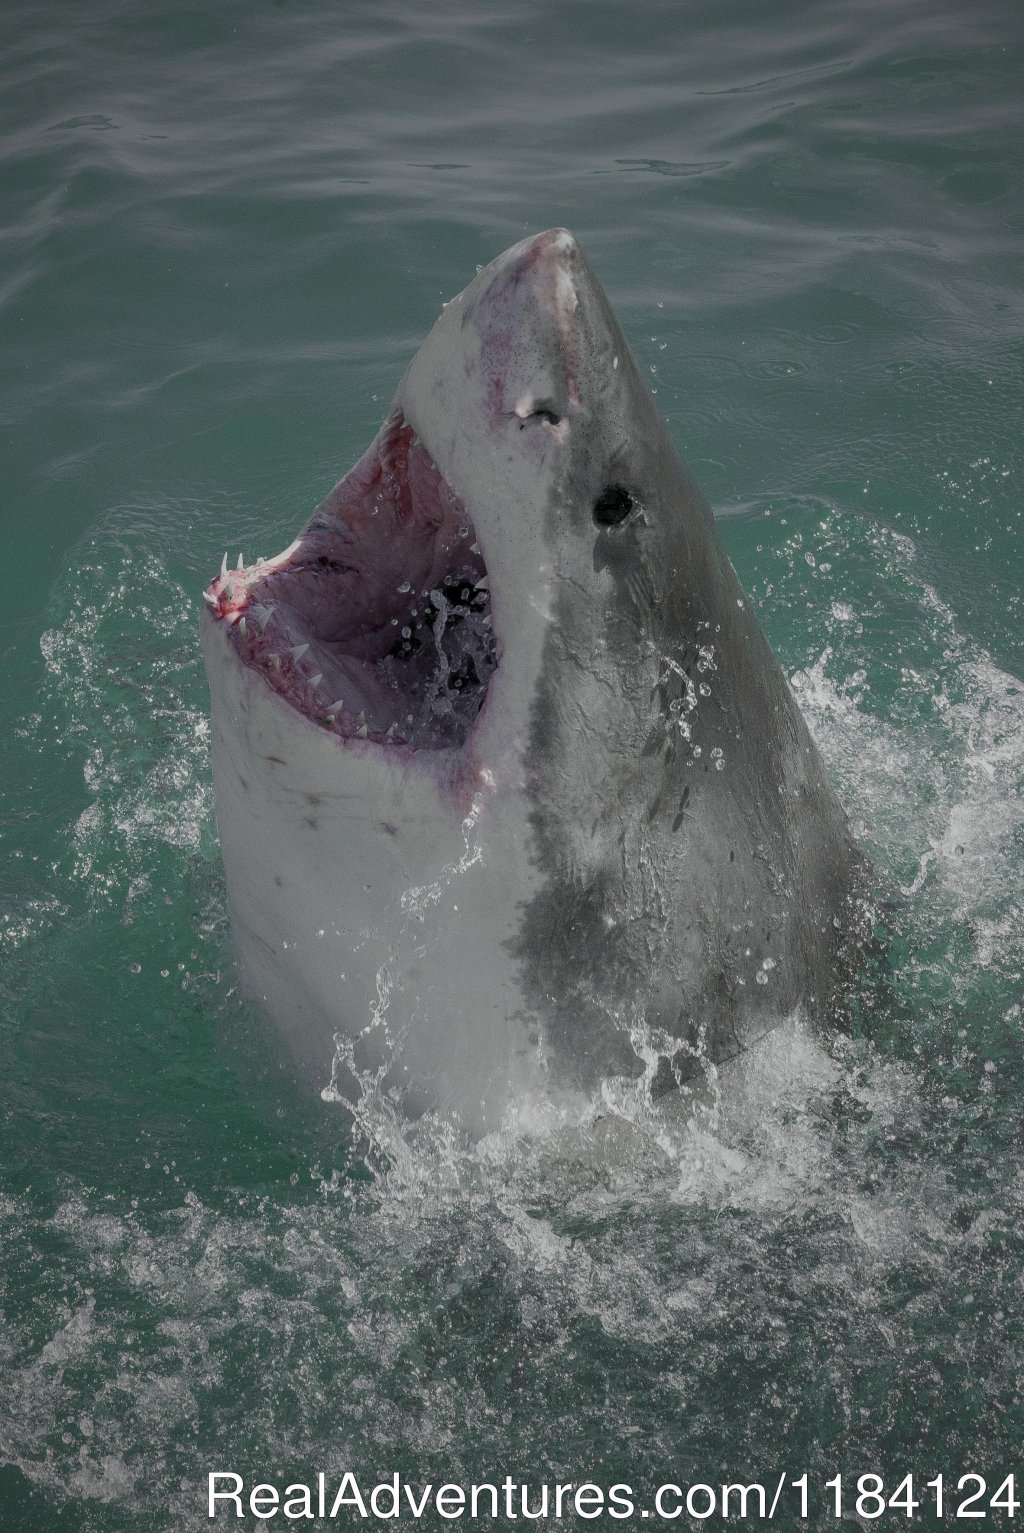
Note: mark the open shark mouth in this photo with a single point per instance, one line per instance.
(376, 622)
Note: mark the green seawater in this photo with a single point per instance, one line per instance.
(225, 229)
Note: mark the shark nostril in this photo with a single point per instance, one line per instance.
(536, 410)
(613, 505)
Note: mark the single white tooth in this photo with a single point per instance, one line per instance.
(241, 563)
(243, 627)
(275, 662)
(330, 718)
(315, 681)
(298, 650)
(224, 567)
(259, 615)
(392, 731)
(362, 731)
(229, 592)
(484, 584)
(260, 559)
(211, 599)
(338, 706)
(360, 717)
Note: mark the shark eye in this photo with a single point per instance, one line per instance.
(550, 416)
(613, 505)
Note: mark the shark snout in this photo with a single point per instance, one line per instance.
(546, 265)
(524, 314)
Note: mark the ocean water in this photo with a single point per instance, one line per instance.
(225, 230)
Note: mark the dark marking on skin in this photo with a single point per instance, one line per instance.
(314, 800)
(312, 821)
(278, 880)
(277, 760)
(388, 828)
(654, 741)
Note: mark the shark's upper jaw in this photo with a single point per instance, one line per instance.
(375, 624)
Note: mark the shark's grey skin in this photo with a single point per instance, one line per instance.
(613, 851)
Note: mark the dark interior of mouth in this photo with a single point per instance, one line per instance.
(378, 623)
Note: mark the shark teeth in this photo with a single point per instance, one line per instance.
(261, 616)
(362, 731)
(298, 650)
(315, 681)
(275, 662)
(243, 627)
(209, 597)
(224, 567)
(241, 563)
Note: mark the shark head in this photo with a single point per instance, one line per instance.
(429, 577)
(472, 726)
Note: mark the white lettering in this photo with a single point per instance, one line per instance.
(660, 1509)
(560, 1491)
(391, 1489)
(743, 1491)
(417, 1511)
(542, 1510)
(620, 1495)
(478, 1490)
(301, 1503)
(593, 1494)
(261, 1493)
(450, 1493)
(700, 1490)
(353, 1498)
(225, 1495)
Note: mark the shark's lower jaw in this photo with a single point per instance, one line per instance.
(375, 624)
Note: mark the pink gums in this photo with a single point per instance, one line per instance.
(388, 534)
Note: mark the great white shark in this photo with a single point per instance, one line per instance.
(513, 796)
